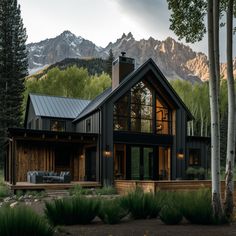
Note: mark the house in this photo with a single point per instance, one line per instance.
(135, 130)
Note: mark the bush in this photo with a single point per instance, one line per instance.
(70, 211)
(106, 190)
(170, 215)
(171, 210)
(22, 221)
(197, 208)
(111, 211)
(141, 205)
(4, 191)
(79, 190)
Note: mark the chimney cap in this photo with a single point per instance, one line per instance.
(123, 54)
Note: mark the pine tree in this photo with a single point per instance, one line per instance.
(13, 67)
(110, 59)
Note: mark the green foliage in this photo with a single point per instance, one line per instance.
(111, 211)
(71, 82)
(22, 221)
(79, 190)
(187, 19)
(106, 190)
(197, 208)
(4, 191)
(13, 68)
(141, 205)
(71, 211)
(170, 215)
(171, 209)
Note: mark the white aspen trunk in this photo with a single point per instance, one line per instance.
(229, 183)
(214, 110)
(192, 128)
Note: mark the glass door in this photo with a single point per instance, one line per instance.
(141, 163)
(164, 163)
(147, 162)
(135, 163)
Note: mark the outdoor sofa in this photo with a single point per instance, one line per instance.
(38, 177)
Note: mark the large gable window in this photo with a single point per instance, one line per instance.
(140, 110)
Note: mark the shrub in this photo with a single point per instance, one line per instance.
(4, 191)
(111, 211)
(106, 190)
(171, 208)
(170, 214)
(197, 208)
(141, 205)
(79, 190)
(70, 211)
(22, 221)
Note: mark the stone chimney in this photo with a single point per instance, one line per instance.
(121, 67)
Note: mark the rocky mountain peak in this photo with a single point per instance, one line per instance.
(176, 60)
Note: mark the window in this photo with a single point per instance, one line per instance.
(141, 110)
(194, 157)
(163, 118)
(56, 125)
(134, 111)
(88, 125)
(37, 123)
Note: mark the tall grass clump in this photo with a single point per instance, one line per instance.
(171, 209)
(197, 207)
(79, 190)
(141, 205)
(70, 211)
(22, 221)
(106, 190)
(111, 211)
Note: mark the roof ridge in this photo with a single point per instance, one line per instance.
(45, 95)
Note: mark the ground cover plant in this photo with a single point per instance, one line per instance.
(71, 211)
(23, 221)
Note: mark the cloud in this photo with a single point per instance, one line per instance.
(153, 15)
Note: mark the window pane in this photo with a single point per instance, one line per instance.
(56, 125)
(194, 157)
(135, 163)
(147, 162)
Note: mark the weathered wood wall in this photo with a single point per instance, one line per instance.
(29, 158)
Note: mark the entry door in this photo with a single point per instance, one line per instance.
(141, 162)
(90, 164)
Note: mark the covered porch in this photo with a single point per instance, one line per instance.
(50, 151)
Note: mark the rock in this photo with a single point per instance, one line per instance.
(13, 204)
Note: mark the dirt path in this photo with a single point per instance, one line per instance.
(147, 228)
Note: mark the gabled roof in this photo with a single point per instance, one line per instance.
(107, 94)
(58, 107)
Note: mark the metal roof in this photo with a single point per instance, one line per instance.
(94, 104)
(58, 107)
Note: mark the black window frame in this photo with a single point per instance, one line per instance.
(194, 151)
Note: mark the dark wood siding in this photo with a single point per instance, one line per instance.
(94, 119)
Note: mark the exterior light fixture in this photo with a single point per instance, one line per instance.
(180, 154)
(107, 152)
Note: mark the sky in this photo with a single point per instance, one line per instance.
(102, 21)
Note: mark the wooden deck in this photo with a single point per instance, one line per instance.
(52, 186)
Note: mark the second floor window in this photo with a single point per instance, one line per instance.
(141, 110)
(57, 125)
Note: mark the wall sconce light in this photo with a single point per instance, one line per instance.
(107, 152)
(180, 154)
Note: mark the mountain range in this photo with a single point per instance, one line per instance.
(176, 60)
